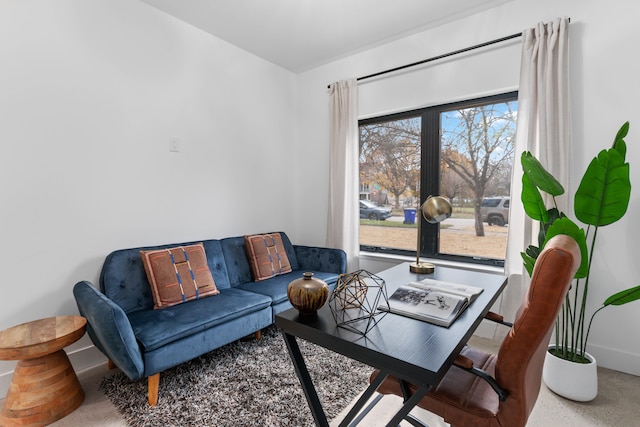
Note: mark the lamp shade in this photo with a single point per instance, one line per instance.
(436, 209)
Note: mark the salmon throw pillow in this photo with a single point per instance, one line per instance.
(267, 256)
(178, 275)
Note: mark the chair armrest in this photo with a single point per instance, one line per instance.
(321, 259)
(466, 363)
(498, 318)
(463, 362)
(109, 329)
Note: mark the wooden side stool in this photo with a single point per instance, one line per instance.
(44, 387)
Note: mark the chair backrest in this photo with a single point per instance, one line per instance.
(522, 353)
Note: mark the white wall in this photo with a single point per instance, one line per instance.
(91, 91)
(604, 72)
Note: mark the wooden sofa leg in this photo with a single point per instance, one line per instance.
(153, 383)
(258, 335)
(110, 364)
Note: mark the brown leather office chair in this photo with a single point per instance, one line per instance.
(506, 397)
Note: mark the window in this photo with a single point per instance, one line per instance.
(490, 203)
(463, 151)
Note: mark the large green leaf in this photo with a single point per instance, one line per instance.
(529, 256)
(552, 215)
(566, 226)
(603, 195)
(533, 251)
(539, 176)
(618, 142)
(532, 201)
(528, 262)
(623, 297)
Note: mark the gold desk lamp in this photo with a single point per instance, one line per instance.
(434, 210)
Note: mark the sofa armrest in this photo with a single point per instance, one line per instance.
(321, 259)
(109, 329)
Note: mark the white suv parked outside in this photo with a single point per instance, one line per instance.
(495, 210)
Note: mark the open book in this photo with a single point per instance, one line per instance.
(432, 300)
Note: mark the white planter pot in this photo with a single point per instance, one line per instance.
(575, 381)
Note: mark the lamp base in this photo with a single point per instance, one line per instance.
(422, 267)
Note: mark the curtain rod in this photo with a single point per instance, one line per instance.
(456, 52)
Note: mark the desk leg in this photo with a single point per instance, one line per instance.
(410, 401)
(409, 405)
(314, 402)
(305, 379)
(363, 400)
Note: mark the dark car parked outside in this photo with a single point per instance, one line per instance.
(369, 210)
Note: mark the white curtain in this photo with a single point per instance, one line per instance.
(343, 215)
(543, 128)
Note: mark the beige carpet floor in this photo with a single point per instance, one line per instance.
(617, 405)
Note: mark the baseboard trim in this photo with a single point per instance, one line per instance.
(82, 360)
(617, 360)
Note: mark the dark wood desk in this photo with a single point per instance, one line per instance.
(409, 349)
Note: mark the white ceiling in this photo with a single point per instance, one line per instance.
(303, 34)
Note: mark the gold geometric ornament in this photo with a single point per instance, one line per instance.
(355, 300)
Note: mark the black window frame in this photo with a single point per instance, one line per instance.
(430, 175)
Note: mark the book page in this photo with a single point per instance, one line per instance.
(437, 307)
(469, 292)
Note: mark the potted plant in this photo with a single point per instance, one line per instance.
(601, 199)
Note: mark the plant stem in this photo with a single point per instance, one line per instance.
(589, 328)
(584, 294)
(566, 319)
(574, 310)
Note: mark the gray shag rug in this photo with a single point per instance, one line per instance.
(245, 383)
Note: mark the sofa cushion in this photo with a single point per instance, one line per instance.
(178, 274)
(276, 287)
(156, 328)
(267, 256)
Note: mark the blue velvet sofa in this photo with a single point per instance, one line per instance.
(143, 342)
